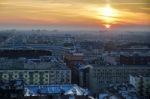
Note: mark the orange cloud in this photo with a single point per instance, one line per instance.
(73, 12)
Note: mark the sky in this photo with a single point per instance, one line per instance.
(75, 13)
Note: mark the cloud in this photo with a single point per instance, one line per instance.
(72, 11)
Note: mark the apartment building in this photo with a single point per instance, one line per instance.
(37, 72)
(101, 76)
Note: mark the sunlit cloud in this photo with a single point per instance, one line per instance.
(74, 12)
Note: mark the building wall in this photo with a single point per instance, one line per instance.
(141, 83)
(102, 76)
(36, 77)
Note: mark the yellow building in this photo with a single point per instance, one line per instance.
(38, 77)
(42, 73)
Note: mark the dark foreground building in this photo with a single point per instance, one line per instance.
(12, 90)
(24, 53)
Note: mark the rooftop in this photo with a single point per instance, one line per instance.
(99, 65)
(32, 64)
(67, 89)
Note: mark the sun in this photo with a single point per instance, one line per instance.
(107, 26)
(108, 11)
(108, 15)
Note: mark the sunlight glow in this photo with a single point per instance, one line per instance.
(107, 26)
(108, 15)
(107, 11)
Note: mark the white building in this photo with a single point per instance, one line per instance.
(141, 83)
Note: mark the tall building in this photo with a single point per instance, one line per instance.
(72, 60)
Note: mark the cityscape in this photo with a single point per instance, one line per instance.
(63, 49)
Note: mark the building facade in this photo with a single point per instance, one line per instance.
(141, 83)
(102, 76)
(38, 77)
(37, 72)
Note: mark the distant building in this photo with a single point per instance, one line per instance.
(68, 43)
(141, 83)
(135, 59)
(73, 59)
